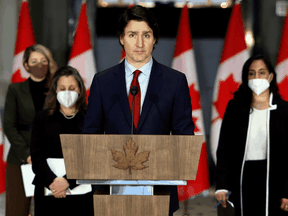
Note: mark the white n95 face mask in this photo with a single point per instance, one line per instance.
(67, 98)
(258, 86)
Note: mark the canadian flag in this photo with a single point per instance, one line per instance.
(25, 38)
(81, 56)
(183, 60)
(282, 62)
(228, 79)
(2, 162)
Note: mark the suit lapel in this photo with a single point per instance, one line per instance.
(155, 84)
(26, 97)
(119, 84)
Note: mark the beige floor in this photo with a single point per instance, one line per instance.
(201, 205)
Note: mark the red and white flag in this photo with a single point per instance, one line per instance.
(2, 162)
(81, 56)
(184, 61)
(228, 79)
(25, 38)
(282, 62)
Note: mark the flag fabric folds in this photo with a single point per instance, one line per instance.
(25, 38)
(228, 79)
(2, 161)
(282, 62)
(81, 56)
(184, 61)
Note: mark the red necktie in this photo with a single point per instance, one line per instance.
(137, 98)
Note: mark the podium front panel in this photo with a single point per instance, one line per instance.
(170, 157)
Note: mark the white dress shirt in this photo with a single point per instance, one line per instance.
(143, 78)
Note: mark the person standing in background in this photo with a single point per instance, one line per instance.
(65, 115)
(23, 100)
(253, 145)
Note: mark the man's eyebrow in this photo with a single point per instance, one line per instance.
(135, 32)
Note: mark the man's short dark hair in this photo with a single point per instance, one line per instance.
(138, 13)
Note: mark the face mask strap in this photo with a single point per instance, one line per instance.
(269, 78)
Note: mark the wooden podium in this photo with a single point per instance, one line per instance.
(131, 158)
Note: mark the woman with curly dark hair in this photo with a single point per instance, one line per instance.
(65, 115)
(253, 144)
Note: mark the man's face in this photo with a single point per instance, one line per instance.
(138, 41)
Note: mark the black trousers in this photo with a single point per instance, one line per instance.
(72, 205)
(254, 188)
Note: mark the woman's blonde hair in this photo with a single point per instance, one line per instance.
(43, 50)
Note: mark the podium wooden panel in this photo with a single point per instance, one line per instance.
(126, 205)
(89, 157)
(171, 157)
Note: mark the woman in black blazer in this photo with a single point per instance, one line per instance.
(23, 100)
(65, 115)
(253, 144)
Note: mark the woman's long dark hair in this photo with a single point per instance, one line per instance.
(53, 104)
(244, 93)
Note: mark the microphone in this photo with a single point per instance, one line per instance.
(134, 91)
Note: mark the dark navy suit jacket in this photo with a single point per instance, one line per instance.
(166, 108)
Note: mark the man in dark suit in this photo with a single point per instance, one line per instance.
(162, 104)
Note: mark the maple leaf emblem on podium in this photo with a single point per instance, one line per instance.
(130, 160)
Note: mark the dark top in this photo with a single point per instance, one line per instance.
(231, 149)
(38, 91)
(45, 143)
(19, 113)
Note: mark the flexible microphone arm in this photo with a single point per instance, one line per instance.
(134, 91)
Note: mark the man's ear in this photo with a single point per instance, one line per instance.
(121, 40)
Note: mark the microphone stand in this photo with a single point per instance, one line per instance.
(134, 91)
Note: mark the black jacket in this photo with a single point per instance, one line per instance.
(231, 150)
(19, 112)
(45, 143)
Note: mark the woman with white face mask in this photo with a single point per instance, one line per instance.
(65, 115)
(253, 145)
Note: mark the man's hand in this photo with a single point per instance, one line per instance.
(284, 204)
(222, 196)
